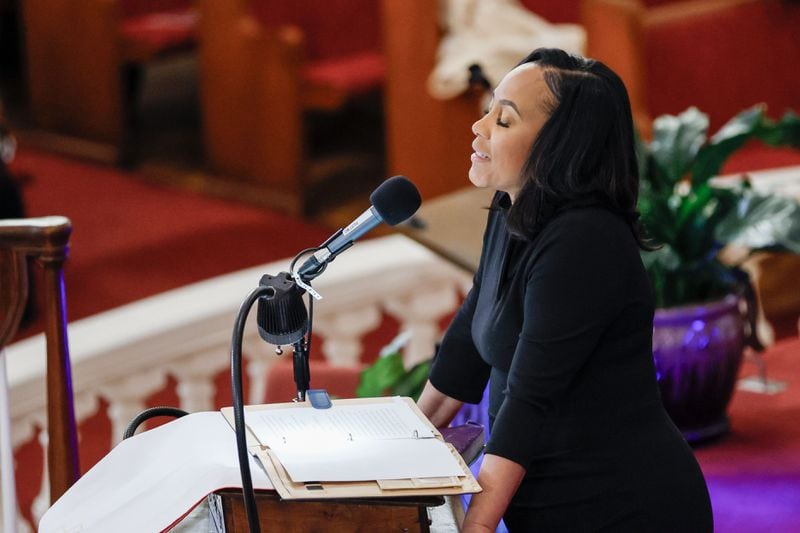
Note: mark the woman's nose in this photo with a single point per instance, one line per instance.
(478, 127)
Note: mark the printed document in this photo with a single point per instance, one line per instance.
(353, 442)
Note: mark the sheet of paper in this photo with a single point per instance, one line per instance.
(353, 442)
(296, 426)
(369, 460)
(152, 479)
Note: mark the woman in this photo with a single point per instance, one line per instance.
(559, 320)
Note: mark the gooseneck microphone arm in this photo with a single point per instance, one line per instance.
(238, 407)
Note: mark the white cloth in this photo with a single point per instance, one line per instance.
(151, 480)
(495, 34)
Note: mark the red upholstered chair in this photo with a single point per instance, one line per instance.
(265, 64)
(44, 240)
(86, 57)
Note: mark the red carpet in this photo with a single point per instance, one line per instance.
(753, 473)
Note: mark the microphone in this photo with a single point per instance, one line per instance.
(395, 200)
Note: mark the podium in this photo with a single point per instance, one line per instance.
(152, 480)
(345, 515)
(389, 505)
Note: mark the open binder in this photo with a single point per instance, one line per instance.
(462, 482)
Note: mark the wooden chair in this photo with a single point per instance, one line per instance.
(44, 240)
(719, 55)
(85, 60)
(265, 64)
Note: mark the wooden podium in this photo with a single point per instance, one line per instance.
(348, 506)
(367, 515)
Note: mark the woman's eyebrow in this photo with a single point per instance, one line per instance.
(511, 104)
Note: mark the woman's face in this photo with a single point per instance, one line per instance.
(505, 134)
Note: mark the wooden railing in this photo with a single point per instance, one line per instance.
(126, 354)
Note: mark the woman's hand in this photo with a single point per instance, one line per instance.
(499, 477)
(437, 406)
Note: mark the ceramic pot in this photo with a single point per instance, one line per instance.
(698, 352)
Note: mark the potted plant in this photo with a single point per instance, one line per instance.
(699, 327)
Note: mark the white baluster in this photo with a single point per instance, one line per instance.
(127, 399)
(195, 376)
(42, 500)
(260, 357)
(22, 432)
(22, 525)
(342, 331)
(419, 313)
(86, 405)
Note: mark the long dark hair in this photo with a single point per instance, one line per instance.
(585, 152)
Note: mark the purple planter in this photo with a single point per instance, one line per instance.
(697, 352)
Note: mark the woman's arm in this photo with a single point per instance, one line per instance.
(437, 406)
(499, 478)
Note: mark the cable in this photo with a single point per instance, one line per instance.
(321, 268)
(238, 408)
(150, 413)
(313, 249)
(310, 324)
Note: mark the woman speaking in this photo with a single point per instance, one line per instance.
(559, 320)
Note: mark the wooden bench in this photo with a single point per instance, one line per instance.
(264, 65)
(85, 60)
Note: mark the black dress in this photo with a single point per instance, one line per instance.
(562, 327)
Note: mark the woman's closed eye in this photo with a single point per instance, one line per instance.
(500, 122)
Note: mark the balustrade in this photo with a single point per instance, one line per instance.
(126, 354)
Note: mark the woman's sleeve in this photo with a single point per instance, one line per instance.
(458, 369)
(574, 290)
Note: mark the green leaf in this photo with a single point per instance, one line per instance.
(413, 381)
(381, 376)
(676, 142)
(786, 132)
(762, 221)
(732, 136)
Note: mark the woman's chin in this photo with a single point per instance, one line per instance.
(476, 179)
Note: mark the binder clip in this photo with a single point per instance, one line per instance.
(319, 398)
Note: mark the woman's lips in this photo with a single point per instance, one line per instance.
(479, 157)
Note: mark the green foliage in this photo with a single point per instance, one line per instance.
(692, 219)
(388, 377)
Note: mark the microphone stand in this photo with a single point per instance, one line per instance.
(238, 407)
(289, 325)
(302, 373)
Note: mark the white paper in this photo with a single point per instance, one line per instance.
(297, 426)
(384, 440)
(149, 481)
(369, 460)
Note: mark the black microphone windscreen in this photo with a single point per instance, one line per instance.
(396, 199)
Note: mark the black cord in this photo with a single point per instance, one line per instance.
(312, 250)
(310, 324)
(317, 272)
(150, 413)
(238, 408)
